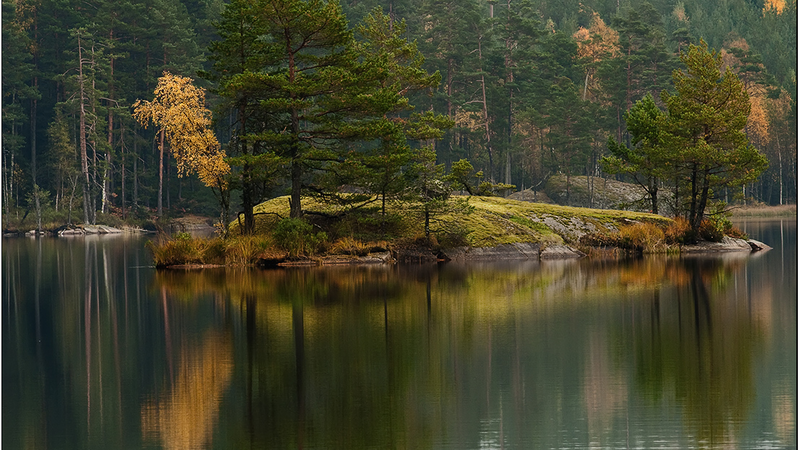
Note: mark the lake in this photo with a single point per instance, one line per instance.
(102, 351)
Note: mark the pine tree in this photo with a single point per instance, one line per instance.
(647, 160)
(707, 117)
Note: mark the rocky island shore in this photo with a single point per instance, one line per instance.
(495, 229)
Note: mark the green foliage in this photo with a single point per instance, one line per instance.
(430, 190)
(463, 176)
(705, 131)
(363, 96)
(648, 159)
(297, 237)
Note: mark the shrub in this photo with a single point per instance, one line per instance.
(643, 236)
(601, 240)
(181, 249)
(453, 236)
(711, 229)
(213, 251)
(244, 250)
(678, 232)
(297, 237)
(723, 222)
(349, 246)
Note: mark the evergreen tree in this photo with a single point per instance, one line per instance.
(397, 68)
(707, 116)
(647, 160)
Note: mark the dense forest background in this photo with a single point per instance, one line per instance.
(535, 88)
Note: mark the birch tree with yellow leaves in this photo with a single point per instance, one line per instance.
(180, 112)
(596, 43)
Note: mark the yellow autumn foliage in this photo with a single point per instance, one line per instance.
(774, 5)
(179, 109)
(595, 44)
(598, 41)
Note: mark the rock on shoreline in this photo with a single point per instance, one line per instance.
(728, 244)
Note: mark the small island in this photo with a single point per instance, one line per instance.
(481, 229)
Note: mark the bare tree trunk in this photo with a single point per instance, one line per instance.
(450, 107)
(295, 208)
(94, 184)
(122, 172)
(82, 136)
(135, 178)
(585, 84)
(166, 175)
(34, 101)
(107, 175)
(485, 111)
(160, 173)
(780, 169)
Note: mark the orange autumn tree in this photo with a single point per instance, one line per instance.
(595, 44)
(179, 111)
(750, 69)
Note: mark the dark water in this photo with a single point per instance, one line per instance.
(100, 351)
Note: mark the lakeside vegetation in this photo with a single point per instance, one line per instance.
(489, 222)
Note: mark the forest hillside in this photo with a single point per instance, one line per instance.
(522, 90)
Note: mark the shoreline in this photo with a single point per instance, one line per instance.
(504, 252)
(765, 212)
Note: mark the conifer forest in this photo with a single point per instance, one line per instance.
(146, 108)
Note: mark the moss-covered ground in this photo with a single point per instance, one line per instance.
(492, 221)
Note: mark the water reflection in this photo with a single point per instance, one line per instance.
(186, 416)
(100, 351)
(700, 350)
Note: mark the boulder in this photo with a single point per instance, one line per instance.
(500, 252)
(558, 251)
(757, 246)
(728, 244)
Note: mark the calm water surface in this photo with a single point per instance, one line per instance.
(100, 351)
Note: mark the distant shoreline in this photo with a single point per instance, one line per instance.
(764, 211)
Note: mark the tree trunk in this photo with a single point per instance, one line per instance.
(34, 104)
(780, 169)
(166, 182)
(248, 203)
(135, 172)
(510, 132)
(654, 195)
(34, 101)
(485, 112)
(295, 208)
(450, 114)
(107, 174)
(585, 84)
(160, 173)
(82, 137)
(701, 204)
(122, 175)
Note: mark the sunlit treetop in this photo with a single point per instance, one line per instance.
(179, 110)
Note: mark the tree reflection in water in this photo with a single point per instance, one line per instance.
(646, 352)
(186, 416)
(701, 352)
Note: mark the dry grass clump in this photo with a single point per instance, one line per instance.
(184, 249)
(761, 210)
(350, 246)
(713, 229)
(678, 231)
(643, 237)
(246, 250)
